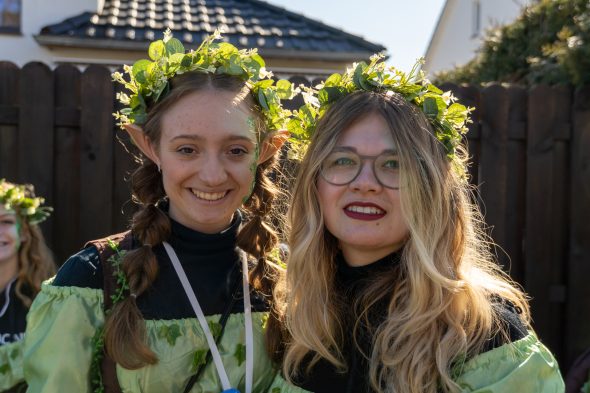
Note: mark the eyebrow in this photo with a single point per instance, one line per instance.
(200, 138)
(354, 150)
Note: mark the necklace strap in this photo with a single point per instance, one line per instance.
(205, 326)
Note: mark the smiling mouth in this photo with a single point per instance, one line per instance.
(365, 210)
(209, 196)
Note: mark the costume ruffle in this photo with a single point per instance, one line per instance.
(58, 348)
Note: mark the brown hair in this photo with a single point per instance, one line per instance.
(124, 326)
(35, 262)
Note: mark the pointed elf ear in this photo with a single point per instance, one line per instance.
(142, 142)
(271, 144)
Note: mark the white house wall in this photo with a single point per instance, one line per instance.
(453, 42)
(22, 48)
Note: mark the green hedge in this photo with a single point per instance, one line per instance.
(548, 43)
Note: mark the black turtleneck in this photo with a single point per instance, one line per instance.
(210, 261)
(350, 283)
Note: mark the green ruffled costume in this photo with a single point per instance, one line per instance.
(524, 366)
(179, 344)
(11, 365)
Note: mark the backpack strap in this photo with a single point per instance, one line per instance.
(125, 242)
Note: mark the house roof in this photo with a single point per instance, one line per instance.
(275, 31)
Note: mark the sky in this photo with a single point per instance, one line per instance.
(404, 27)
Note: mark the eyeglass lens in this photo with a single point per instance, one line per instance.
(342, 167)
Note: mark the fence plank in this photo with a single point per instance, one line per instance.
(9, 81)
(493, 166)
(67, 165)
(96, 154)
(543, 275)
(578, 307)
(35, 137)
(515, 192)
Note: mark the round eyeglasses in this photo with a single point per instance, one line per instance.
(341, 167)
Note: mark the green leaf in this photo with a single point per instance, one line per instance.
(139, 66)
(215, 328)
(284, 89)
(262, 99)
(240, 353)
(276, 390)
(14, 353)
(329, 94)
(333, 80)
(172, 333)
(174, 46)
(259, 60)
(434, 89)
(235, 67)
(199, 359)
(186, 61)
(430, 108)
(4, 368)
(157, 50)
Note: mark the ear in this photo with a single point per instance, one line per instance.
(271, 144)
(142, 142)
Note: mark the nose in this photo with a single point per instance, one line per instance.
(366, 181)
(212, 171)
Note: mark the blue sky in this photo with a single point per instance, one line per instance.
(403, 26)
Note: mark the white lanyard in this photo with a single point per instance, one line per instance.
(205, 326)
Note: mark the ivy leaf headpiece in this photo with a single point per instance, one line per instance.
(21, 199)
(448, 117)
(149, 80)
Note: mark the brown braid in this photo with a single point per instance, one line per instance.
(257, 237)
(124, 326)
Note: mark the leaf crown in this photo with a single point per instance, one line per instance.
(448, 117)
(22, 200)
(149, 80)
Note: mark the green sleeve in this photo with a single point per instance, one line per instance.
(280, 385)
(57, 346)
(11, 365)
(524, 366)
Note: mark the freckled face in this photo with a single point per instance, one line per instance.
(364, 215)
(9, 237)
(207, 153)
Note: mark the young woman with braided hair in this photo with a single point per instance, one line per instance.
(390, 286)
(178, 319)
(25, 261)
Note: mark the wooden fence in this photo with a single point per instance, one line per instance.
(531, 163)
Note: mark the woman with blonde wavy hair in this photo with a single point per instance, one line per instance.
(25, 261)
(390, 285)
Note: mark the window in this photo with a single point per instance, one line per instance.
(475, 18)
(10, 11)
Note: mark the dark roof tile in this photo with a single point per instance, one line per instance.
(247, 23)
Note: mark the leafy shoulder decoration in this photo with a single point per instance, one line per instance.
(120, 293)
(22, 200)
(448, 117)
(148, 81)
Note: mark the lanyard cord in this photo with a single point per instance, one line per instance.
(7, 297)
(205, 326)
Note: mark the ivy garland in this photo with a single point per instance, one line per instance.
(149, 80)
(121, 292)
(448, 117)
